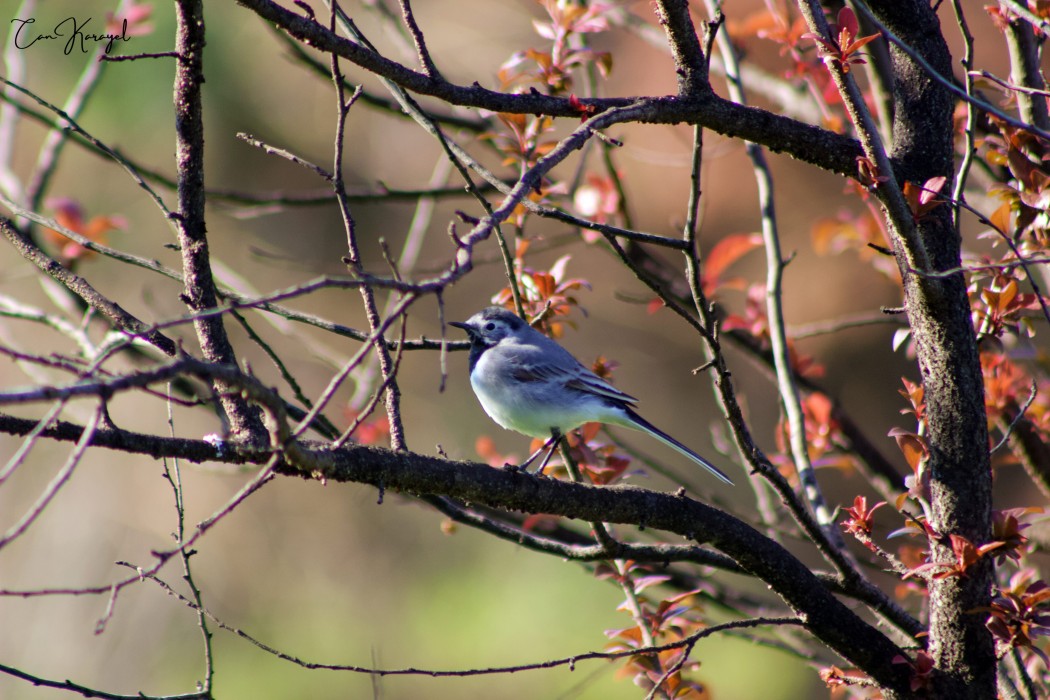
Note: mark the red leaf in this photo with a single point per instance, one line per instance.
(726, 252)
(913, 447)
(847, 20)
(581, 108)
(860, 43)
(931, 188)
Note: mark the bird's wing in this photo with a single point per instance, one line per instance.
(528, 366)
(590, 383)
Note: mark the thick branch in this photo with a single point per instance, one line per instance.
(805, 142)
(823, 614)
(689, 59)
(200, 291)
(939, 313)
(1024, 70)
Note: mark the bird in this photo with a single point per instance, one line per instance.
(530, 384)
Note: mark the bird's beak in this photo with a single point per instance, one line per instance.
(465, 326)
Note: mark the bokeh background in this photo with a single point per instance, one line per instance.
(324, 573)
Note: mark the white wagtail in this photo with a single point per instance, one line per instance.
(528, 383)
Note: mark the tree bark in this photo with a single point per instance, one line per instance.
(945, 342)
(244, 419)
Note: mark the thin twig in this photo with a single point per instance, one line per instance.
(41, 682)
(791, 401)
(113, 312)
(569, 661)
(948, 83)
(889, 192)
(14, 69)
(29, 442)
(174, 476)
(89, 244)
(672, 669)
(1007, 84)
(19, 528)
(190, 223)
(1024, 45)
(834, 325)
(287, 155)
(1023, 11)
(425, 59)
(114, 155)
(458, 158)
(138, 56)
(1017, 419)
(970, 130)
(323, 425)
(1021, 260)
(336, 381)
(378, 392)
(51, 149)
(392, 392)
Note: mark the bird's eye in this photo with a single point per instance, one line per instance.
(490, 326)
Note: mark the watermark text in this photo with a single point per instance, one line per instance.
(70, 30)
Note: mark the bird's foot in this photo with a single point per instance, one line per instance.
(523, 469)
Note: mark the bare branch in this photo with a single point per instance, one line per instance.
(87, 692)
(19, 528)
(79, 286)
(689, 58)
(803, 141)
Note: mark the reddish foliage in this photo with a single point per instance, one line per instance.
(824, 437)
(843, 48)
(1006, 528)
(912, 557)
(753, 321)
(545, 294)
(722, 255)
(966, 555)
(667, 621)
(553, 68)
(520, 141)
(922, 199)
(846, 682)
(597, 199)
(915, 395)
(779, 23)
(1020, 614)
(136, 15)
(371, 431)
(1027, 158)
(69, 214)
(485, 447)
(1006, 386)
(860, 517)
(921, 669)
(998, 304)
(858, 232)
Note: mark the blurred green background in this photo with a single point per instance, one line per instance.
(324, 573)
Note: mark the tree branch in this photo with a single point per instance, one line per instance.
(200, 293)
(824, 615)
(805, 142)
(112, 311)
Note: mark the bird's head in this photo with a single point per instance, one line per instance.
(489, 326)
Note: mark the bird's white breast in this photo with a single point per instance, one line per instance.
(533, 408)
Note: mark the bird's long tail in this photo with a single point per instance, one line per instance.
(639, 423)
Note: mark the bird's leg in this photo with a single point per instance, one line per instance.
(555, 440)
(550, 446)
